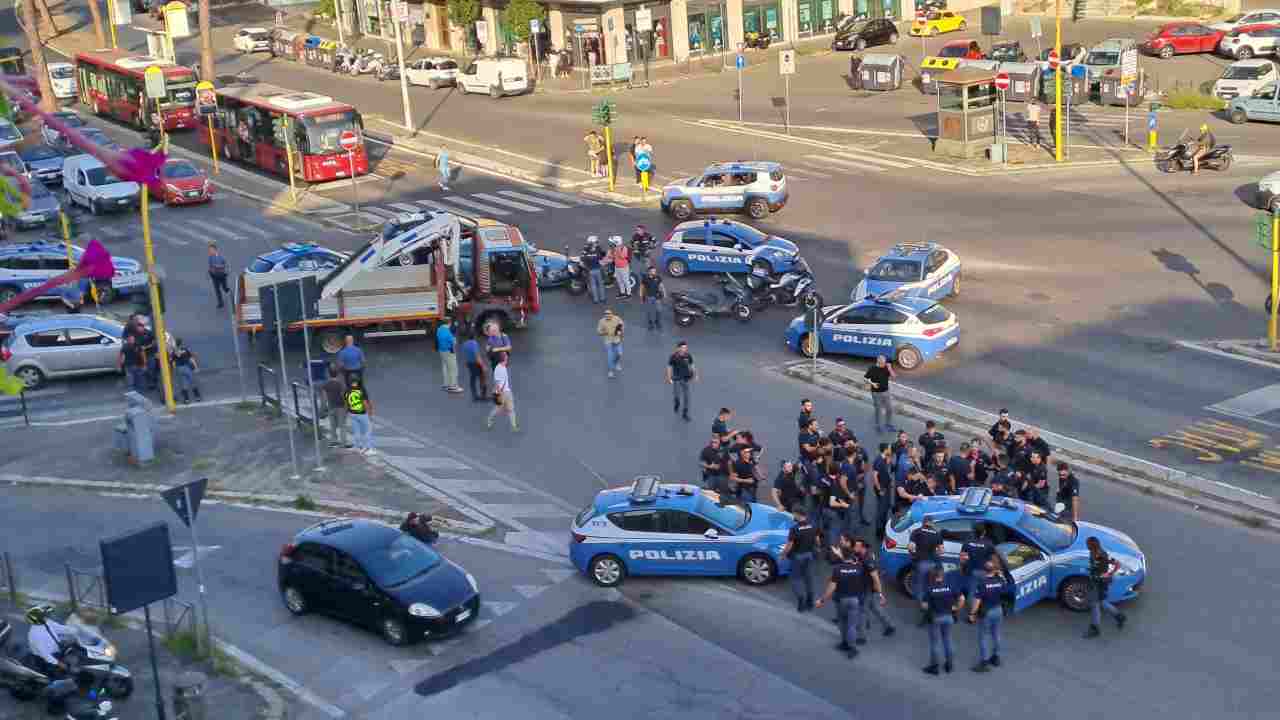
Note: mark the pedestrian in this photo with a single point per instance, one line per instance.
(1001, 423)
(1033, 122)
(681, 373)
(1068, 492)
(646, 149)
(883, 487)
(218, 273)
(878, 377)
(930, 438)
(351, 360)
(133, 363)
(475, 368)
(988, 613)
(360, 411)
(942, 600)
(186, 364)
(924, 542)
(610, 329)
(849, 585)
(806, 413)
(712, 460)
(621, 256)
(1102, 568)
(592, 259)
(442, 168)
(974, 554)
(651, 294)
(445, 345)
(592, 141)
(496, 344)
(862, 551)
(742, 475)
(720, 426)
(801, 542)
(334, 395)
(635, 145)
(788, 488)
(504, 402)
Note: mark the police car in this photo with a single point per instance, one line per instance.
(26, 265)
(757, 188)
(296, 256)
(1046, 554)
(656, 528)
(724, 246)
(907, 330)
(917, 269)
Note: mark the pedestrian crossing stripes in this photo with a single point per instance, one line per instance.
(846, 164)
(496, 203)
(199, 228)
(510, 203)
(522, 196)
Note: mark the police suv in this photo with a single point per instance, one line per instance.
(916, 269)
(906, 330)
(656, 528)
(724, 246)
(26, 265)
(757, 188)
(1045, 553)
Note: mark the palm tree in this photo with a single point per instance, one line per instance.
(96, 13)
(47, 101)
(206, 43)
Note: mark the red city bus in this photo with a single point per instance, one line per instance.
(250, 126)
(111, 82)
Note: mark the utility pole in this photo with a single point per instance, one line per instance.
(38, 67)
(400, 15)
(1057, 53)
(206, 43)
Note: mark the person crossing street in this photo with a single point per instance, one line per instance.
(681, 373)
(445, 345)
(610, 329)
(621, 256)
(218, 273)
(1102, 568)
(651, 293)
(442, 168)
(504, 401)
(360, 411)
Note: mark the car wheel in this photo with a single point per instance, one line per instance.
(681, 210)
(607, 570)
(1238, 117)
(762, 265)
(757, 569)
(677, 268)
(31, 377)
(742, 311)
(893, 39)
(860, 44)
(685, 320)
(1244, 53)
(1073, 593)
(393, 632)
(93, 207)
(758, 209)
(294, 601)
(807, 343)
(909, 358)
(121, 687)
(1166, 52)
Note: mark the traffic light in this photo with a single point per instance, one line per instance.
(604, 113)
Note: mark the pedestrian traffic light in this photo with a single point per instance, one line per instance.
(604, 113)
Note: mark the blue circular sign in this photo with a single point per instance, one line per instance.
(643, 163)
(741, 62)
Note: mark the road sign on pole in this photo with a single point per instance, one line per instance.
(348, 140)
(787, 62)
(176, 21)
(155, 83)
(644, 20)
(740, 61)
(1128, 66)
(206, 99)
(534, 26)
(1002, 81)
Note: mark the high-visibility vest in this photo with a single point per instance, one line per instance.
(355, 401)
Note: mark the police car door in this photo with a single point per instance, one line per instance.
(842, 332)
(641, 544)
(955, 532)
(731, 254)
(696, 249)
(1030, 569)
(940, 272)
(696, 549)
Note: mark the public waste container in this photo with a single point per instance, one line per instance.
(931, 68)
(1024, 81)
(881, 71)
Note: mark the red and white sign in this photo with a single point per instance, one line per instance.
(348, 140)
(1002, 81)
(1053, 59)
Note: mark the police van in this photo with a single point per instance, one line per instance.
(756, 188)
(724, 246)
(656, 528)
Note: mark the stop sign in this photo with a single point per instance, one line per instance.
(348, 140)
(1002, 81)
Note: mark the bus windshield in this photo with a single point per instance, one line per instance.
(322, 131)
(182, 94)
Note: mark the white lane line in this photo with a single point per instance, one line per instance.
(508, 203)
(845, 164)
(1190, 345)
(214, 229)
(562, 196)
(406, 207)
(478, 206)
(872, 159)
(380, 212)
(531, 510)
(532, 199)
(807, 171)
(1251, 404)
(246, 228)
(437, 205)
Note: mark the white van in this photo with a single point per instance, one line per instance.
(1242, 77)
(89, 183)
(496, 76)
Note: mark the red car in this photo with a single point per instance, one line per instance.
(962, 49)
(1180, 38)
(184, 183)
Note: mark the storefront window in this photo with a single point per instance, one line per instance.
(816, 16)
(706, 27)
(760, 18)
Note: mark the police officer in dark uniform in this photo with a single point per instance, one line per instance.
(1068, 491)
(788, 487)
(806, 414)
(1001, 424)
(988, 612)
(883, 487)
(1038, 444)
(840, 434)
(850, 584)
(1036, 489)
(925, 540)
(1019, 452)
(712, 459)
(930, 438)
(821, 487)
(862, 552)
(960, 470)
(1001, 477)
(840, 503)
(975, 553)
(801, 543)
(742, 476)
(941, 600)
(854, 468)
(1102, 567)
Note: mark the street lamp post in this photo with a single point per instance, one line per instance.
(1057, 53)
(401, 14)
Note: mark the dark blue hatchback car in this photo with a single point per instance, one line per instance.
(377, 577)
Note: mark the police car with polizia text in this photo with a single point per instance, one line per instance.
(294, 256)
(917, 269)
(26, 265)
(1045, 553)
(657, 528)
(724, 246)
(754, 187)
(907, 330)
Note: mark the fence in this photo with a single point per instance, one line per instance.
(266, 374)
(8, 581)
(308, 411)
(87, 589)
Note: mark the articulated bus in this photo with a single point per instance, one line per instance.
(112, 84)
(260, 124)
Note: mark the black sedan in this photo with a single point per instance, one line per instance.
(377, 577)
(862, 34)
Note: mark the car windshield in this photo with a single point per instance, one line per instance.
(1100, 57)
(733, 517)
(323, 131)
(1242, 72)
(856, 26)
(446, 65)
(9, 132)
(95, 136)
(935, 314)
(40, 152)
(895, 270)
(396, 564)
(392, 229)
(953, 51)
(70, 119)
(261, 265)
(1048, 529)
(180, 170)
(749, 235)
(101, 176)
(259, 37)
(62, 73)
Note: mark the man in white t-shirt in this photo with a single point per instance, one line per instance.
(504, 401)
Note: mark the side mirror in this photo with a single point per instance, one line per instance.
(1059, 508)
(711, 534)
(359, 586)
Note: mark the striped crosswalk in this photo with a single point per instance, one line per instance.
(501, 204)
(179, 228)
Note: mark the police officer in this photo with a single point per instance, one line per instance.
(883, 487)
(960, 469)
(806, 414)
(862, 552)
(930, 438)
(1102, 568)
(801, 542)
(712, 459)
(840, 503)
(925, 540)
(821, 486)
(788, 487)
(1068, 491)
(942, 601)
(840, 434)
(850, 585)
(1036, 489)
(742, 476)
(1000, 477)
(974, 555)
(988, 613)
(1001, 424)
(854, 469)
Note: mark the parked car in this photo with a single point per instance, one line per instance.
(1244, 45)
(496, 76)
(42, 208)
(252, 39)
(937, 22)
(960, 49)
(1181, 38)
(184, 183)
(1243, 77)
(1252, 17)
(1263, 104)
(1010, 52)
(99, 138)
(43, 163)
(63, 346)
(865, 33)
(89, 183)
(62, 76)
(434, 72)
(1268, 194)
(54, 138)
(10, 135)
(1105, 56)
(14, 163)
(28, 264)
(1072, 54)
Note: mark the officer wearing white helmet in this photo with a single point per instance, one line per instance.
(621, 256)
(41, 638)
(592, 256)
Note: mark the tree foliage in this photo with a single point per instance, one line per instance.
(517, 15)
(464, 13)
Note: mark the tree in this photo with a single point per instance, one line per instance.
(517, 15)
(47, 101)
(206, 43)
(464, 14)
(96, 13)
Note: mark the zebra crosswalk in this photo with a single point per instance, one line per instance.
(498, 204)
(182, 227)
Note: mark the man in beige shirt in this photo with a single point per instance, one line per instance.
(610, 329)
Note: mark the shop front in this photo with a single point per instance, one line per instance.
(706, 26)
(876, 8)
(816, 17)
(760, 18)
(655, 44)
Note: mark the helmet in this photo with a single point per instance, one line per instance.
(38, 614)
(615, 240)
(593, 240)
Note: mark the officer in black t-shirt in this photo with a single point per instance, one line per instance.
(850, 583)
(713, 468)
(1068, 492)
(788, 487)
(930, 438)
(1001, 477)
(1036, 489)
(808, 441)
(924, 542)
(862, 553)
(974, 555)
(801, 543)
(720, 426)
(742, 476)
(820, 488)
(883, 487)
(960, 470)
(806, 414)
(1001, 424)
(1102, 568)
(839, 505)
(941, 600)
(1038, 444)
(840, 434)
(1019, 452)
(854, 468)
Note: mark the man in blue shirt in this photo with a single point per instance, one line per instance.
(475, 368)
(351, 360)
(988, 611)
(942, 600)
(448, 359)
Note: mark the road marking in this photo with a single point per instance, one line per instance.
(428, 463)
(405, 207)
(807, 172)
(404, 667)
(474, 486)
(381, 213)
(385, 441)
(187, 558)
(530, 591)
(445, 207)
(228, 234)
(508, 203)
(1251, 404)
(846, 164)
(532, 199)
(558, 575)
(562, 196)
(873, 159)
(1212, 440)
(282, 680)
(478, 206)
(499, 608)
(245, 228)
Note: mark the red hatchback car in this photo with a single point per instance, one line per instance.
(184, 183)
(1180, 38)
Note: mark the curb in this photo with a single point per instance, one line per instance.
(1254, 349)
(1247, 507)
(284, 503)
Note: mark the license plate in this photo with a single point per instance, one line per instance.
(193, 193)
(462, 616)
(123, 202)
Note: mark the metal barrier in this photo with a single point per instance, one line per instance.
(8, 580)
(178, 616)
(86, 589)
(267, 399)
(305, 413)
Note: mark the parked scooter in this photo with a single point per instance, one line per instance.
(26, 683)
(733, 300)
(579, 281)
(343, 59)
(1178, 156)
(90, 659)
(794, 287)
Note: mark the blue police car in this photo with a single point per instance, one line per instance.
(28, 264)
(656, 528)
(756, 188)
(1045, 553)
(292, 257)
(917, 269)
(907, 330)
(724, 246)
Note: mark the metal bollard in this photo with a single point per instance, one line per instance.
(188, 696)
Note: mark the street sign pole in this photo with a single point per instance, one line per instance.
(787, 67)
(348, 141)
(288, 154)
(740, 62)
(207, 635)
(205, 96)
(154, 87)
(1275, 280)
(284, 378)
(1057, 53)
(813, 346)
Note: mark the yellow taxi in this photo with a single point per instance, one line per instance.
(937, 22)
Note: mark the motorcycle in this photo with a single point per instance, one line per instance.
(89, 659)
(1178, 156)
(27, 683)
(578, 274)
(342, 61)
(758, 41)
(796, 286)
(369, 63)
(733, 300)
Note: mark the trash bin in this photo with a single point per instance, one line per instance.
(311, 50)
(880, 71)
(325, 54)
(1112, 92)
(992, 66)
(1075, 88)
(1024, 81)
(140, 427)
(931, 68)
(188, 696)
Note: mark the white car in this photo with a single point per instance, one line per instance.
(252, 39)
(63, 78)
(89, 183)
(52, 137)
(495, 76)
(1243, 77)
(1243, 46)
(10, 135)
(1253, 17)
(433, 72)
